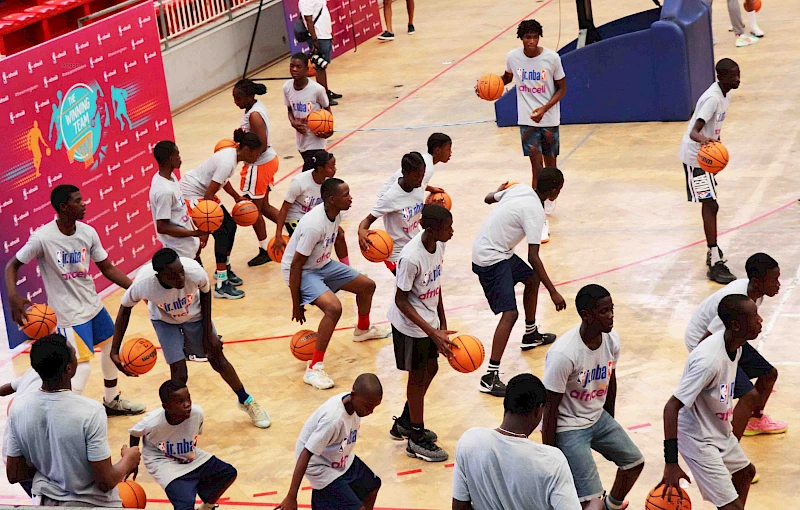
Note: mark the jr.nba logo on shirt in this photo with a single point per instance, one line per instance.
(179, 307)
(428, 278)
(182, 451)
(595, 374)
(303, 107)
(533, 75)
(64, 258)
(726, 392)
(351, 439)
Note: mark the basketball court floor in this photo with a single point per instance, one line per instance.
(622, 221)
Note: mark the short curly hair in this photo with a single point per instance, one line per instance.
(529, 26)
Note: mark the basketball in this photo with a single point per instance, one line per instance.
(276, 255)
(380, 246)
(312, 71)
(207, 216)
(712, 157)
(442, 199)
(680, 501)
(138, 356)
(509, 184)
(132, 494)
(41, 322)
(468, 355)
(303, 343)
(225, 143)
(752, 5)
(491, 87)
(320, 122)
(245, 213)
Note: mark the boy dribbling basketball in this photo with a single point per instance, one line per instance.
(301, 97)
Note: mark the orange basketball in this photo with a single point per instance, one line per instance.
(468, 355)
(491, 87)
(245, 213)
(41, 322)
(132, 494)
(225, 143)
(277, 256)
(680, 501)
(312, 71)
(303, 343)
(380, 246)
(207, 216)
(712, 157)
(320, 122)
(138, 356)
(442, 199)
(752, 5)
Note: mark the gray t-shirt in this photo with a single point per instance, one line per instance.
(534, 79)
(705, 316)
(26, 383)
(167, 203)
(499, 472)
(302, 102)
(706, 391)
(313, 237)
(304, 194)
(711, 107)
(64, 262)
(401, 211)
(582, 375)
(60, 434)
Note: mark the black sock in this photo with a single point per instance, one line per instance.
(417, 431)
(405, 417)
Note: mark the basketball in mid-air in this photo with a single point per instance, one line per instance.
(380, 246)
(303, 343)
(320, 122)
(138, 356)
(245, 213)
(712, 157)
(207, 216)
(467, 354)
(491, 87)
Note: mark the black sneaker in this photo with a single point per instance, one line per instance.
(425, 450)
(333, 102)
(399, 432)
(491, 384)
(228, 291)
(411, 30)
(535, 339)
(233, 279)
(334, 95)
(720, 273)
(386, 36)
(260, 259)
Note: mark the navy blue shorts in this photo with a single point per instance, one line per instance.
(498, 281)
(204, 481)
(348, 491)
(752, 365)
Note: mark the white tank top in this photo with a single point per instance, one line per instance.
(269, 154)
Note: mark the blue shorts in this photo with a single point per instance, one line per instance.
(179, 339)
(205, 481)
(544, 140)
(348, 491)
(85, 337)
(752, 365)
(606, 437)
(330, 277)
(498, 281)
(325, 50)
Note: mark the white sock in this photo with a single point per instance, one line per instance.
(263, 245)
(714, 254)
(221, 277)
(107, 366)
(109, 394)
(81, 377)
(753, 22)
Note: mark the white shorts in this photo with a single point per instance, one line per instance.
(700, 185)
(712, 468)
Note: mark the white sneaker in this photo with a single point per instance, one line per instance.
(730, 28)
(360, 335)
(317, 377)
(745, 40)
(546, 232)
(549, 206)
(257, 414)
(756, 31)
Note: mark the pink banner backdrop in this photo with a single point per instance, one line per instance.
(354, 22)
(84, 109)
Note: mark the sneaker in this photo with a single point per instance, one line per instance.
(260, 259)
(425, 450)
(535, 339)
(755, 479)
(198, 359)
(386, 36)
(549, 207)
(233, 279)
(317, 377)
(360, 335)
(765, 425)
(756, 32)
(122, 407)
(411, 29)
(257, 414)
(333, 102)
(720, 273)
(228, 291)
(491, 384)
(546, 232)
(399, 432)
(745, 40)
(334, 95)
(730, 28)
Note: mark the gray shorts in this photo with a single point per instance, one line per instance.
(325, 50)
(330, 277)
(174, 337)
(712, 467)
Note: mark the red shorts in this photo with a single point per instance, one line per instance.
(257, 179)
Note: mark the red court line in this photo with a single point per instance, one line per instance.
(273, 505)
(265, 494)
(409, 472)
(448, 465)
(640, 426)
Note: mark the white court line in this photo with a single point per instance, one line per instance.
(790, 363)
(777, 313)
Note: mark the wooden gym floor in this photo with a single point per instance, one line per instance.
(622, 221)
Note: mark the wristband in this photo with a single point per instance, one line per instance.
(671, 451)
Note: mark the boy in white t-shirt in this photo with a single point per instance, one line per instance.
(324, 451)
(171, 455)
(400, 206)
(440, 149)
(701, 186)
(419, 327)
(697, 418)
(178, 296)
(580, 377)
(301, 97)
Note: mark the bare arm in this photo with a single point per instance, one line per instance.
(297, 124)
(550, 418)
(461, 505)
(439, 336)
(228, 187)
(120, 327)
(259, 127)
(166, 228)
(6, 390)
(211, 342)
(538, 267)
(290, 501)
(18, 470)
(611, 395)
(295, 275)
(107, 475)
(17, 302)
(696, 135)
(364, 231)
(114, 274)
(672, 471)
(309, 21)
(281, 220)
(508, 78)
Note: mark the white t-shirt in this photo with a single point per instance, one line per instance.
(304, 194)
(711, 107)
(218, 168)
(302, 102)
(518, 214)
(174, 306)
(429, 171)
(167, 203)
(706, 391)
(170, 451)
(419, 273)
(705, 317)
(258, 107)
(64, 263)
(582, 375)
(26, 383)
(330, 434)
(313, 237)
(499, 472)
(401, 211)
(323, 25)
(534, 79)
